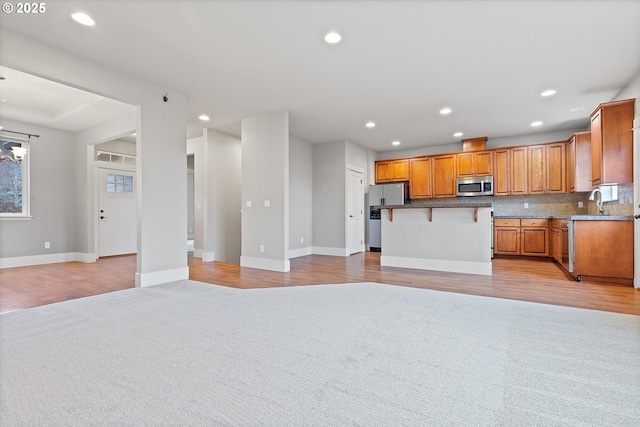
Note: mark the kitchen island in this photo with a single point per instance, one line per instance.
(442, 237)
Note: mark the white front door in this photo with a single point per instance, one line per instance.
(117, 213)
(356, 212)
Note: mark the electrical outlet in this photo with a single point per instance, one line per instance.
(267, 203)
(47, 245)
(248, 203)
(581, 204)
(261, 248)
(526, 205)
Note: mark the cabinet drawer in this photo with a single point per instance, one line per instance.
(530, 222)
(506, 222)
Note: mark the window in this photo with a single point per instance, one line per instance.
(14, 180)
(123, 159)
(119, 183)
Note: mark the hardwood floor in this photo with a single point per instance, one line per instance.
(535, 280)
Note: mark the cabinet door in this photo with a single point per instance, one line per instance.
(596, 150)
(444, 176)
(483, 163)
(501, 173)
(400, 170)
(518, 171)
(383, 171)
(535, 241)
(580, 160)
(556, 168)
(420, 178)
(556, 244)
(506, 240)
(465, 165)
(571, 164)
(536, 169)
(616, 122)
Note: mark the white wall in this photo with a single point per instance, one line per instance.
(300, 197)
(265, 176)
(222, 228)
(118, 146)
(161, 146)
(53, 198)
(329, 198)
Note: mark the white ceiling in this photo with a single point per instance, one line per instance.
(399, 63)
(36, 100)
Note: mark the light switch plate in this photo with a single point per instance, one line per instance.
(248, 203)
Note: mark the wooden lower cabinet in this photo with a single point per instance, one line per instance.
(603, 251)
(526, 236)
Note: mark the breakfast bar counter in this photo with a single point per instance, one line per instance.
(453, 238)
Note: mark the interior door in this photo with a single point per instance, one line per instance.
(356, 212)
(117, 213)
(636, 202)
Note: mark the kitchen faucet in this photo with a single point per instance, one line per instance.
(598, 200)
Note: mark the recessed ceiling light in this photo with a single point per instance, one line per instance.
(534, 124)
(458, 134)
(548, 92)
(370, 125)
(83, 18)
(204, 117)
(445, 110)
(3, 100)
(395, 143)
(574, 109)
(332, 37)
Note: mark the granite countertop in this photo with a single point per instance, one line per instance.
(571, 217)
(438, 205)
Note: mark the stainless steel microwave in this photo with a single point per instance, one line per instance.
(474, 186)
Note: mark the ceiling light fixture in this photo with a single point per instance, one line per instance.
(536, 124)
(458, 134)
(333, 37)
(574, 109)
(548, 92)
(445, 111)
(395, 143)
(370, 125)
(83, 18)
(204, 117)
(15, 148)
(3, 100)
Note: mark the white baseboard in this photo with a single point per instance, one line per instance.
(295, 253)
(25, 261)
(330, 251)
(208, 256)
(159, 277)
(482, 268)
(265, 264)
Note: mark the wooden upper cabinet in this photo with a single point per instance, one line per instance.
(536, 169)
(546, 169)
(579, 162)
(518, 171)
(392, 170)
(556, 168)
(612, 143)
(420, 178)
(501, 172)
(478, 163)
(383, 171)
(444, 176)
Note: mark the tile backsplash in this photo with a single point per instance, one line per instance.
(622, 206)
(547, 204)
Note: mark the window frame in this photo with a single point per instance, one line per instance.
(26, 183)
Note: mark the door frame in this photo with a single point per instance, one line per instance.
(347, 239)
(97, 165)
(636, 199)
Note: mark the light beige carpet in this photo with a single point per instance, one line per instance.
(189, 353)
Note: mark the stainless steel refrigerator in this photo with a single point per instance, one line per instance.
(381, 195)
